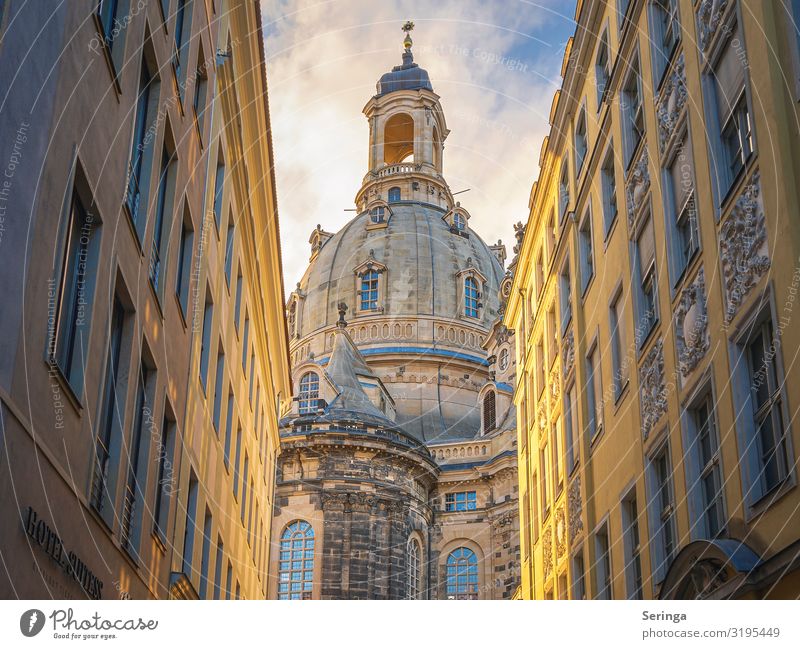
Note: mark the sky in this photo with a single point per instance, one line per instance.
(494, 63)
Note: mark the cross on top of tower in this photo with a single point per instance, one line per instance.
(407, 28)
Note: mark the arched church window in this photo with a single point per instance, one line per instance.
(459, 222)
(471, 297)
(369, 290)
(296, 562)
(462, 574)
(413, 570)
(394, 194)
(489, 413)
(309, 393)
(503, 361)
(377, 214)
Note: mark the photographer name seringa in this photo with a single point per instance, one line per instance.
(68, 622)
(663, 616)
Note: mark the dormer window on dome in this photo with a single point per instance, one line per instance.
(457, 219)
(308, 394)
(370, 285)
(472, 282)
(379, 214)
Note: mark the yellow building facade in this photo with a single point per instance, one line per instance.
(652, 305)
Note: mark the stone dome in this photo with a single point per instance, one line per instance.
(422, 258)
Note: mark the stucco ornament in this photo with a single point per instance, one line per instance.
(653, 390)
(709, 16)
(561, 532)
(691, 325)
(568, 352)
(541, 419)
(638, 186)
(547, 552)
(743, 246)
(575, 508)
(555, 385)
(670, 102)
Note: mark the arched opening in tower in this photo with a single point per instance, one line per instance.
(398, 139)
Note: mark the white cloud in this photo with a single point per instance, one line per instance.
(494, 64)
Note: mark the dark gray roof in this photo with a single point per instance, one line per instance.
(408, 76)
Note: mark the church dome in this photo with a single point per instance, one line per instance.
(408, 76)
(421, 262)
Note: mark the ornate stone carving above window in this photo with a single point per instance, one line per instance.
(541, 420)
(561, 531)
(709, 17)
(670, 103)
(691, 325)
(555, 386)
(637, 188)
(743, 246)
(568, 352)
(575, 508)
(547, 552)
(653, 390)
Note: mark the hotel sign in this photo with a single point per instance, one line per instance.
(39, 531)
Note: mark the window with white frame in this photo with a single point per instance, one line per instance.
(665, 32)
(647, 287)
(563, 191)
(461, 501)
(471, 297)
(369, 290)
(631, 546)
(608, 177)
(684, 234)
(413, 559)
(581, 142)
(565, 295)
(594, 392)
(704, 473)
(602, 564)
(632, 111)
(618, 341)
(571, 427)
(309, 393)
(602, 69)
(736, 142)
(662, 512)
(585, 249)
(459, 222)
(461, 573)
(377, 214)
(296, 562)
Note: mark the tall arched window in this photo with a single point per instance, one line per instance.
(489, 423)
(296, 565)
(471, 297)
(369, 290)
(462, 574)
(394, 194)
(309, 393)
(413, 552)
(459, 221)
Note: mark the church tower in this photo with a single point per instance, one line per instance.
(397, 476)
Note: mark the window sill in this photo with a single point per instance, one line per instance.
(736, 184)
(647, 338)
(180, 310)
(610, 231)
(596, 437)
(159, 542)
(54, 369)
(621, 395)
(771, 498)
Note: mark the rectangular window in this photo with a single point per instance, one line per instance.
(571, 427)
(631, 543)
(252, 378)
(563, 592)
(565, 295)
(732, 112)
(76, 295)
(666, 32)
(581, 145)
(460, 501)
(245, 339)
(200, 88)
(558, 466)
(186, 253)
(618, 342)
(219, 384)
(141, 149)
(594, 393)
(544, 487)
(164, 207)
(552, 336)
(540, 369)
(205, 342)
(205, 556)
(229, 249)
(238, 307)
(602, 70)
(535, 504)
(138, 462)
(251, 500)
(609, 187)
(578, 576)
(539, 278)
(218, 568)
(108, 445)
(563, 191)
(632, 112)
(685, 240)
(190, 529)
(229, 430)
(183, 28)
(586, 250)
(369, 293)
(705, 474)
(645, 268)
(166, 476)
(219, 188)
(662, 514)
(243, 503)
(236, 464)
(602, 565)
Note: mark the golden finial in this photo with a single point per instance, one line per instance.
(407, 42)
